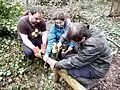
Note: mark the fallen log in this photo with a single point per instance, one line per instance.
(74, 84)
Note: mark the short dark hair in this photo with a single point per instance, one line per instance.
(60, 16)
(33, 10)
(77, 32)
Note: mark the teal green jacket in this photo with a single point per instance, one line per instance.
(54, 36)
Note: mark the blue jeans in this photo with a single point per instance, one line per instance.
(27, 51)
(86, 72)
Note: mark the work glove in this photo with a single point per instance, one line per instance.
(51, 62)
(45, 58)
(43, 47)
(37, 52)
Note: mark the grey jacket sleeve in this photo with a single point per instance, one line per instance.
(86, 55)
(63, 37)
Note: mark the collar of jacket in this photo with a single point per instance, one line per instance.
(61, 27)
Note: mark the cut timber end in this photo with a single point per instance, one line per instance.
(72, 82)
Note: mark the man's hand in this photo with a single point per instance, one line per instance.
(51, 62)
(37, 52)
(36, 49)
(43, 47)
(38, 55)
(45, 58)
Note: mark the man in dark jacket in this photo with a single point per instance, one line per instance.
(92, 58)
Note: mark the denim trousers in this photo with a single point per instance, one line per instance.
(28, 51)
(86, 71)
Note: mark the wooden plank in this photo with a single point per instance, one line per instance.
(71, 81)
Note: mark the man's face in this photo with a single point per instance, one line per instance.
(35, 18)
(60, 23)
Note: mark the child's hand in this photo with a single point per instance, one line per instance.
(59, 44)
(54, 48)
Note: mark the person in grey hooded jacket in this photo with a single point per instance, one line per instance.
(92, 59)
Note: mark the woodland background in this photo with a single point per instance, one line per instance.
(16, 73)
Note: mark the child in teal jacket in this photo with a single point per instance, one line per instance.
(56, 33)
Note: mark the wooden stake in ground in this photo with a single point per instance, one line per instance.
(54, 56)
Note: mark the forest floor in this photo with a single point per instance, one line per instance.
(28, 75)
(17, 73)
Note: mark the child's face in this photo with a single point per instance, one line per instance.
(60, 23)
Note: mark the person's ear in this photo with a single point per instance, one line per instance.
(83, 39)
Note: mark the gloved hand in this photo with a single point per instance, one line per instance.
(59, 44)
(45, 58)
(37, 52)
(43, 47)
(51, 62)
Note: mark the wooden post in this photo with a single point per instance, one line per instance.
(56, 77)
(55, 56)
